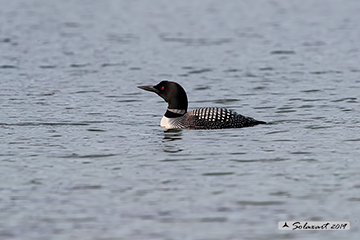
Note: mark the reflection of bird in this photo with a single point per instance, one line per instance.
(177, 116)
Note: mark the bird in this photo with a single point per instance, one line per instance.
(177, 116)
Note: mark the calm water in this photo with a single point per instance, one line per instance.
(82, 155)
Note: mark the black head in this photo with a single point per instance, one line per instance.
(171, 92)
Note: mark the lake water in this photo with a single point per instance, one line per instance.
(82, 155)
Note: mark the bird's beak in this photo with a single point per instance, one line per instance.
(149, 88)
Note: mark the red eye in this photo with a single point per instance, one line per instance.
(162, 88)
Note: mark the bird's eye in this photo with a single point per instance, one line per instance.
(162, 88)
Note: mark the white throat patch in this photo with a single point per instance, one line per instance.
(171, 123)
(166, 123)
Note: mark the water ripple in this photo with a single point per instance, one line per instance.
(74, 155)
(217, 173)
(8, 66)
(196, 41)
(259, 203)
(261, 160)
(282, 52)
(45, 123)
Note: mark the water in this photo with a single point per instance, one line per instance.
(82, 153)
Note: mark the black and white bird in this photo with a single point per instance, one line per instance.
(177, 116)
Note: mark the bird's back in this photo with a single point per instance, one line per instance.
(216, 118)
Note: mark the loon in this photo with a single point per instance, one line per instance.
(177, 116)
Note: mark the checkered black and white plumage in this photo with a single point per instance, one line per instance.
(209, 118)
